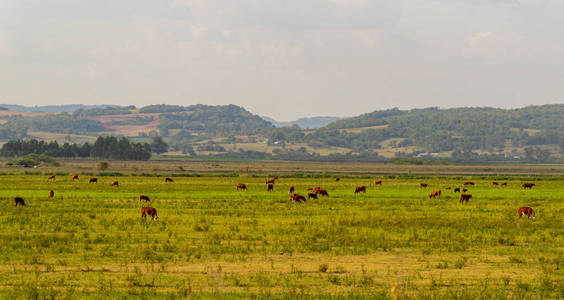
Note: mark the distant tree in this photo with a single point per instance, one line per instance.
(158, 145)
(102, 165)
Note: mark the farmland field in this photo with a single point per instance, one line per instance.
(213, 241)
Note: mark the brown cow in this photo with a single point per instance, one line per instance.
(291, 191)
(241, 186)
(528, 211)
(528, 185)
(359, 189)
(93, 180)
(457, 190)
(337, 179)
(144, 198)
(74, 177)
(271, 180)
(314, 189)
(464, 197)
(151, 211)
(19, 201)
(377, 182)
(114, 183)
(312, 195)
(469, 183)
(435, 193)
(52, 177)
(423, 185)
(51, 194)
(270, 187)
(168, 179)
(447, 188)
(495, 183)
(322, 192)
(504, 184)
(297, 198)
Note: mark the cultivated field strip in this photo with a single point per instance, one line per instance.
(212, 240)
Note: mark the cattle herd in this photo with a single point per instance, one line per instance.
(315, 192)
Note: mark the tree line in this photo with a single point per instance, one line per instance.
(108, 147)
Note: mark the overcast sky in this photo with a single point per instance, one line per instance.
(283, 58)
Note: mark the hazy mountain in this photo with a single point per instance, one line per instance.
(304, 123)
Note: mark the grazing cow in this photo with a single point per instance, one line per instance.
(297, 198)
(447, 188)
(144, 198)
(469, 183)
(337, 179)
(241, 186)
(270, 187)
(495, 183)
(151, 211)
(114, 183)
(19, 201)
(312, 195)
(423, 185)
(322, 192)
(291, 191)
(271, 180)
(464, 197)
(51, 194)
(359, 189)
(528, 185)
(435, 193)
(314, 189)
(377, 182)
(74, 177)
(52, 177)
(464, 190)
(168, 179)
(504, 184)
(457, 190)
(528, 211)
(93, 180)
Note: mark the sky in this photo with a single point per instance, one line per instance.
(283, 58)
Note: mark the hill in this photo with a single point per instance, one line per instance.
(304, 123)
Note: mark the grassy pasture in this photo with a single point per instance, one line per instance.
(212, 241)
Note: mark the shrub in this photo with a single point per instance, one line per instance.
(102, 165)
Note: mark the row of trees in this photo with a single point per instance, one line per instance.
(105, 147)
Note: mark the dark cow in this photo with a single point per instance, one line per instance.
(337, 179)
(464, 197)
(377, 182)
(495, 183)
(271, 180)
(435, 193)
(52, 177)
(270, 187)
(322, 192)
(423, 185)
(528, 211)
(93, 180)
(19, 201)
(457, 190)
(312, 195)
(74, 177)
(151, 211)
(241, 186)
(504, 184)
(168, 179)
(144, 198)
(447, 188)
(359, 189)
(114, 183)
(51, 194)
(528, 185)
(469, 183)
(297, 198)
(464, 190)
(291, 191)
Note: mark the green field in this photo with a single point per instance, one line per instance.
(212, 241)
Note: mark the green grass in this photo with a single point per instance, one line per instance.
(212, 241)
